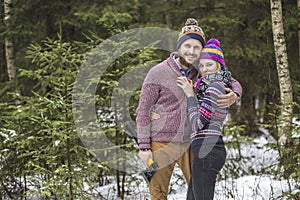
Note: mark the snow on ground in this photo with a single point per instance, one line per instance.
(246, 187)
(254, 181)
(251, 188)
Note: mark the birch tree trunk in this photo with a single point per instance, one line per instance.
(9, 49)
(285, 85)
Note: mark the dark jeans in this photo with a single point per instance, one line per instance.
(208, 161)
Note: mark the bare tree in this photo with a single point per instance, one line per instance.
(285, 85)
(298, 5)
(9, 48)
(168, 18)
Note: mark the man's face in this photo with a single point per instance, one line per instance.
(190, 51)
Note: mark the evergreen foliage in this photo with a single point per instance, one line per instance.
(43, 155)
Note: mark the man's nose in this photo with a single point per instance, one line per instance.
(193, 50)
(190, 50)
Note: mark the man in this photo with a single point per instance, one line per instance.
(166, 139)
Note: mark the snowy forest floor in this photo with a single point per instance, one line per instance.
(253, 177)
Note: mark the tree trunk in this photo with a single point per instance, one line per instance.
(2, 61)
(298, 5)
(9, 54)
(168, 17)
(9, 49)
(285, 85)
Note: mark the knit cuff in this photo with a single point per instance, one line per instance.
(144, 146)
(144, 143)
(238, 99)
(191, 102)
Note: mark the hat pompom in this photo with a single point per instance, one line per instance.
(191, 21)
(213, 41)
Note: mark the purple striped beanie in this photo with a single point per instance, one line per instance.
(213, 51)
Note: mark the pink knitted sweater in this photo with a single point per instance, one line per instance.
(161, 94)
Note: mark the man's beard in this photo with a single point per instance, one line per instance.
(185, 63)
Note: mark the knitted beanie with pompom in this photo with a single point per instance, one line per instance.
(213, 51)
(191, 30)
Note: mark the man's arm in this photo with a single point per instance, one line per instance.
(232, 96)
(148, 98)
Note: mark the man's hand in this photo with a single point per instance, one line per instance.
(154, 116)
(226, 100)
(145, 155)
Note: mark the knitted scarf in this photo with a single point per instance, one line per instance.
(203, 83)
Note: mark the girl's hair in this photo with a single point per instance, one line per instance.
(218, 65)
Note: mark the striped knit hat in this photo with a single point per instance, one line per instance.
(213, 51)
(191, 30)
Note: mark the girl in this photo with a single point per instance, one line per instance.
(206, 120)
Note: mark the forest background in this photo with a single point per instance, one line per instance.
(44, 44)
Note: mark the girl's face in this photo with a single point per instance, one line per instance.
(208, 66)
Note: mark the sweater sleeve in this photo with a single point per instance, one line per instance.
(148, 98)
(237, 87)
(201, 115)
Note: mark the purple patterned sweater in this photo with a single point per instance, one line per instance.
(161, 94)
(206, 119)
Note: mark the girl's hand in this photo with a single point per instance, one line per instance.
(154, 116)
(186, 85)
